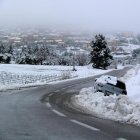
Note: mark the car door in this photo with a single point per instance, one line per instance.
(108, 89)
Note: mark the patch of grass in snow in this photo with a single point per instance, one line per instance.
(65, 75)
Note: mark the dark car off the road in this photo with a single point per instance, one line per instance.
(110, 85)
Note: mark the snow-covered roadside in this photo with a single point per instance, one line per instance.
(121, 108)
(132, 80)
(117, 108)
(14, 76)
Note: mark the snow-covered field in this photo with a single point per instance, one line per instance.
(15, 76)
(121, 108)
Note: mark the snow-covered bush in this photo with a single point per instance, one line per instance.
(65, 75)
(5, 58)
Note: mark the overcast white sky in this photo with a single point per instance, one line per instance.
(103, 15)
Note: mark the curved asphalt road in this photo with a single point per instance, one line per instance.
(43, 113)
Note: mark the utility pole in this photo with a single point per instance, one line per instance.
(115, 64)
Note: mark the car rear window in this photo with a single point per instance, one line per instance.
(120, 85)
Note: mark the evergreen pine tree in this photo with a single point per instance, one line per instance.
(100, 54)
(2, 49)
(10, 49)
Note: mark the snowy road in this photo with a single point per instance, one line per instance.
(23, 116)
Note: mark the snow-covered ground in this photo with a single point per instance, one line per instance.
(132, 80)
(129, 47)
(15, 76)
(121, 108)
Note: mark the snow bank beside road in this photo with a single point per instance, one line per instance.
(132, 80)
(117, 108)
